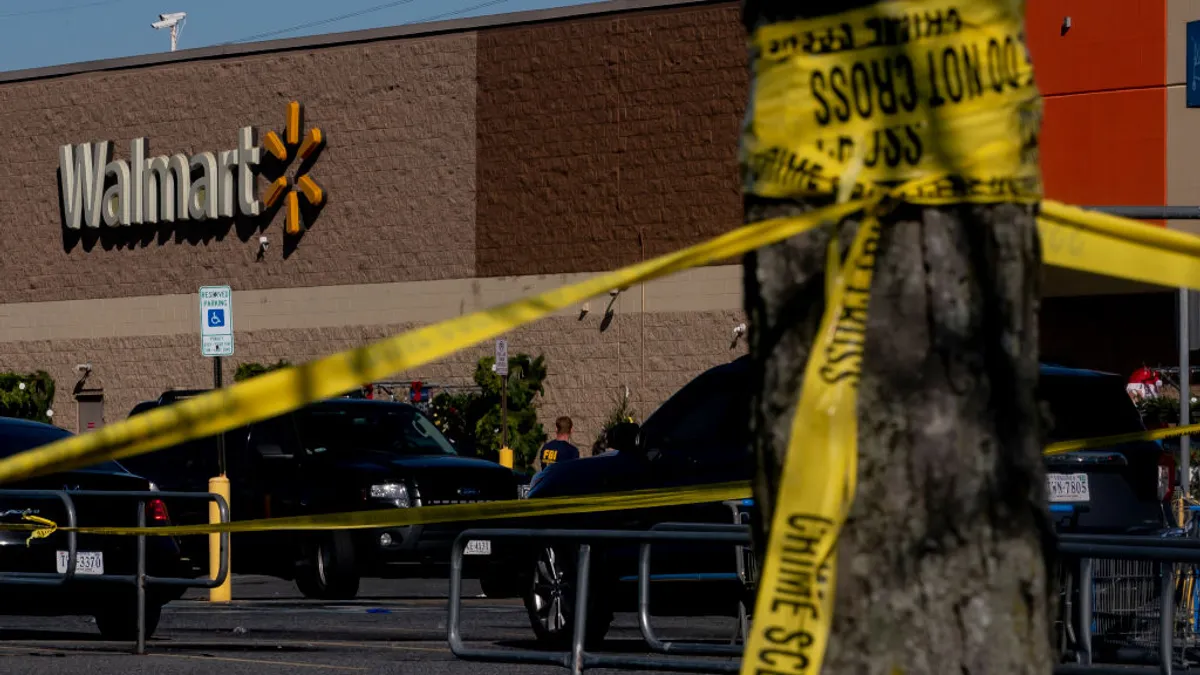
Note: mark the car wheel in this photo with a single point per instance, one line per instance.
(550, 600)
(119, 621)
(326, 570)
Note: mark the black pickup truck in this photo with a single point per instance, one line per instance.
(336, 455)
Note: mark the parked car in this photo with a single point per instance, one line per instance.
(701, 436)
(113, 605)
(336, 455)
(1123, 489)
(698, 436)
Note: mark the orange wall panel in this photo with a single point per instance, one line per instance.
(1106, 148)
(1112, 44)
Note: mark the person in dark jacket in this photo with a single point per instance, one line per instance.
(560, 449)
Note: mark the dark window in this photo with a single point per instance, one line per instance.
(1086, 406)
(393, 429)
(710, 414)
(275, 437)
(19, 437)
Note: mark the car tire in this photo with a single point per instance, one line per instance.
(550, 600)
(326, 570)
(118, 622)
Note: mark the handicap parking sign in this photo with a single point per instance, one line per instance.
(216, 321)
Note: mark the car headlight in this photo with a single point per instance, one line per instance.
(397, 493)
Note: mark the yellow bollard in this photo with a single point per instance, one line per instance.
(224, 592)
(506, 457)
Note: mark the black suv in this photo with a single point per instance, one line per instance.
(701, 436)
(336, 455)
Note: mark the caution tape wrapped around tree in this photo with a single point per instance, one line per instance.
(923, 102)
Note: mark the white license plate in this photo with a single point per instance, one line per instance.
(1069, 487)
(478, 547)
(85, 562)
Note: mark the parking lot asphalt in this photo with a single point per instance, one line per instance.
(394, 626)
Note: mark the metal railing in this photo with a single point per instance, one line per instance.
(140, 579)
(578, 659)
(644, 576)
(1136, 603)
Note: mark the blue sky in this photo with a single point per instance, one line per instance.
(35, 33)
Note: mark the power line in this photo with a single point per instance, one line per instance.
(361, 12)
(446, 15)
(55, 10)
(321, 22)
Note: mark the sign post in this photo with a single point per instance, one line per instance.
(216, 340)
(502, 371)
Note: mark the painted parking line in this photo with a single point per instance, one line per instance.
(23, 648)
(90, 648)
(230, 659)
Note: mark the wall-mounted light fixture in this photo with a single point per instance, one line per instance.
(1066, 25)
(738, 331)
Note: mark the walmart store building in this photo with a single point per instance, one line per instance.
(429, 171)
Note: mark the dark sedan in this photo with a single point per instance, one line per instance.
(112, 604)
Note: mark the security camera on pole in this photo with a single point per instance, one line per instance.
(216, 340)
(174, 21)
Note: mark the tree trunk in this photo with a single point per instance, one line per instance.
(943, 562)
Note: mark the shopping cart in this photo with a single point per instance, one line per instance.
(1126, 604)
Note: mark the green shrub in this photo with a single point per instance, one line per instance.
(472, 420)
(26, 395)
(248, 370)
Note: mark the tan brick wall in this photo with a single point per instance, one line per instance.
(398, 169)
(588, 368)
(593, 130)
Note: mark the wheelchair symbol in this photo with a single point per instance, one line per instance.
(216, 318)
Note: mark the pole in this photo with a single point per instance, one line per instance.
(1185, 390)
(224, 592)
(139, 647)
(504, 410)
(174, 37)
(218, 485)
(217, 384)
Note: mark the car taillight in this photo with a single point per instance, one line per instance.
(156, 512)
(1166, 476)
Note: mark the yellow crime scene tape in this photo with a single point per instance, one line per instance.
(866, 105)
(285, 390)
(428, 515)
(1099, 442)
(424, 515)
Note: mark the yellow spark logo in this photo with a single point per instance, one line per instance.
(286, 150)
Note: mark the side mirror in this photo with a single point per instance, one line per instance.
(624, 437)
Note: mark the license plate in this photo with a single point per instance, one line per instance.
(1069, 487)
(85, 562)
(478, 547)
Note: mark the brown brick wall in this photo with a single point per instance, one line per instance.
(587, 368)
(581, 134)
(398, 168)
(592, 130)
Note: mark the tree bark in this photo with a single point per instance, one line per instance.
(943, 562)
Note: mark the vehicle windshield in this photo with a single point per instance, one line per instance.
(390, 429)
(17, 438)
(1084, 407)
